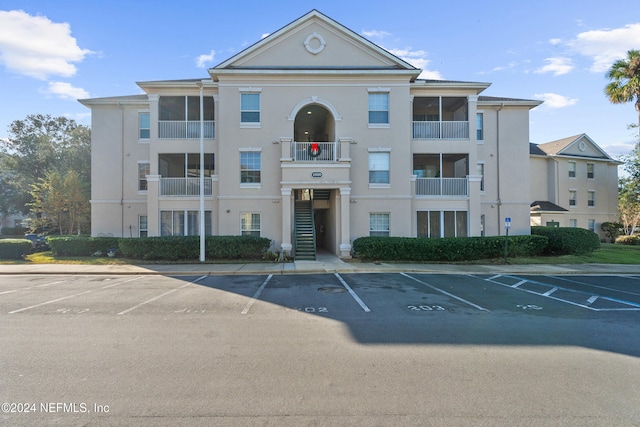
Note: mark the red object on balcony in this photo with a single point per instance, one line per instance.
(315, 149)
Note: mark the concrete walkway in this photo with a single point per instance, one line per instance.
(325, 263)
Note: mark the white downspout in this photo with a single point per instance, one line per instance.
(202, 222)
(498, 167)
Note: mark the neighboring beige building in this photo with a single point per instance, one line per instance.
(313, 137)
(574, 183)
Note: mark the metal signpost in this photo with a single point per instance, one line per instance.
(507, 226)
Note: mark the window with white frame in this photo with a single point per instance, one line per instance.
(250, 224)
(142, 226)
(590, 170)
(436, 224)
(379, 108)
(573, 197)
(480, 171)
(144, 169)
(250, 167)
(572, 169)
(144, 125)
(183, 223)
(379, 167)
(592, 225)
(573, 223)
(250, 108)
(480, 126)
(591, 198)
(379, 224)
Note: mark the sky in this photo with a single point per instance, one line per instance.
(55, 52)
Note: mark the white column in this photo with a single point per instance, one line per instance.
(345, 223)
(286, 245)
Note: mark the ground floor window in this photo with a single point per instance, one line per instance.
(183, 223)
(592, 225)
(250, 224)
(436, 224)
(379, 224)
(142, 226)
(573, 223)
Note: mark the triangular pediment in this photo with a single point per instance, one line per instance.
(314, 42)
(577, 146)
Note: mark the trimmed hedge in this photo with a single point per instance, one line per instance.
(446, 249)
(14, 248)
(568, 240)
(13, 231)
(170, 248)
(81, 245)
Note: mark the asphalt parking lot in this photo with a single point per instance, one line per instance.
(325, 349)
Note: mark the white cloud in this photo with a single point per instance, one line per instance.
(375, 33)
(264, 36)
(558, 66)
(604, 47)
(65, 90)
(37, 47)
(418, 59)
(205, 59)
(553, 100)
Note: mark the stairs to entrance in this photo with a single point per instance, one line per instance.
(305, 231)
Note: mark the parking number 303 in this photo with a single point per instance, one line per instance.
(426, 308)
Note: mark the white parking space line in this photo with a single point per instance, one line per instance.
(549, 292)
(517, 284)
(160, 296)
(256, 295)
(593, 286)
(445, 292)
(352, 293)
(71, 296)
(31, 287)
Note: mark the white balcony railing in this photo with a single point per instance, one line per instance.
(329, 152)
(441, 130)
(185, 187)
(442, 187)
(180, 129)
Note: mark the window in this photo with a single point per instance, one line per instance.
(144, 169)
(379, 224)
(436, 224)
(250, 167)
(181, 108)
(250, 224)
(144, 126)
(378, 108)
(142, 226)
(573, 223)
(480, 171)
(590, 170)
(572, 169)
(591, 198)
(480, 126)
(592, 225)
(573, 195)
(185, 165)
(172, 223)
(249, 108)
(379, 168)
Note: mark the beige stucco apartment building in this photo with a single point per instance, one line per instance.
(313, 137)
(574, 183)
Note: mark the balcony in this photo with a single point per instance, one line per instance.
(443, 187)
(180, 129)
(440, 130)
(185, 187)
(301, 152)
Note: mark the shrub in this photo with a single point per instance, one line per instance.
(628, 240)
(13, 231)
(446, 249)
(568, 240)
(612, 230)
(81, 245)
(14, 248)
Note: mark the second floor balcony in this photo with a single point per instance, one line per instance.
(442, 187)
(440, 130)
(303, 152)
(185, 187)
(181, 129)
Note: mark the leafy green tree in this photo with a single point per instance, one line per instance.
(629, 205)
(38, 145)
(625, 81)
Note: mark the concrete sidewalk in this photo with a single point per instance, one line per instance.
(324, 264)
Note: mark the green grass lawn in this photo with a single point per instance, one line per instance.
(607, 254)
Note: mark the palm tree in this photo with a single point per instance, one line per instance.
(625, 81)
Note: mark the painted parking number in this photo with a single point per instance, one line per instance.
(529, 307)
(313, 309)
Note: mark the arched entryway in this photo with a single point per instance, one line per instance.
(314, 122)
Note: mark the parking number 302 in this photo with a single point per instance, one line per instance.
(313, 309)
(426, 308)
